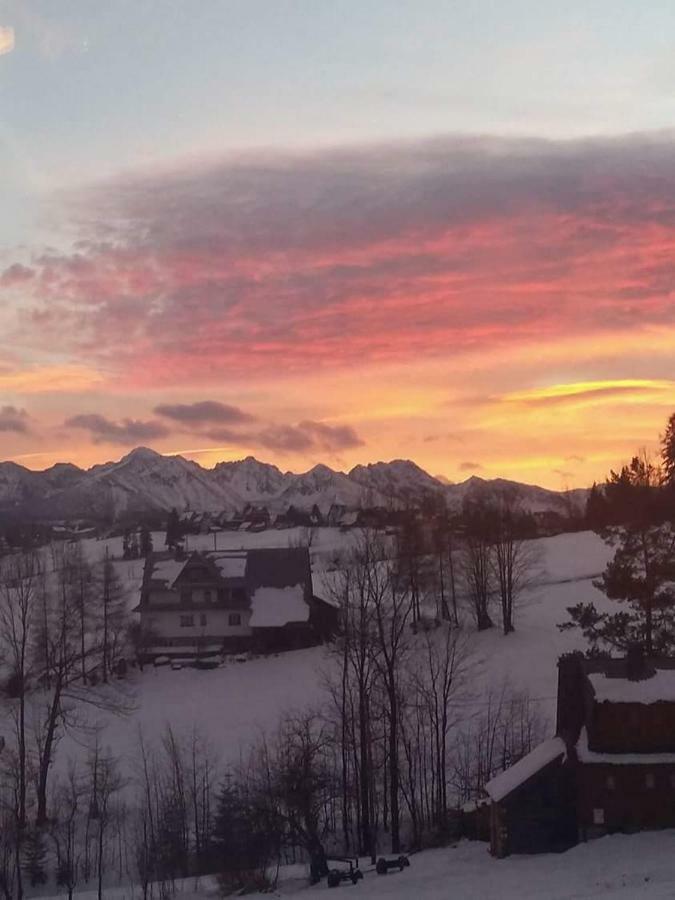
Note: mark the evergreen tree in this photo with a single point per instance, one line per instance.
(246, 832)
(668, 451)
(641, 573)
(596, 509)
(174, 531)
(145, 547)
(133, 546)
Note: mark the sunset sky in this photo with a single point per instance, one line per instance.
(338, 231)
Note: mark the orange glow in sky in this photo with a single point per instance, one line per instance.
(493, 308)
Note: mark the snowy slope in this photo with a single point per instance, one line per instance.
(400, 479)
(324, 487)
(163, 482)
(251, 480)
(533, 498)
(19, 485)
(618, 867)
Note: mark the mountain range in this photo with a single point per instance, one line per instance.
(144, 481)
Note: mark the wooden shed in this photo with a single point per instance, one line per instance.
(532, 803)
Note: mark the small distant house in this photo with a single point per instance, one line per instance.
(211, 602)
(610, 767)
(256, 518)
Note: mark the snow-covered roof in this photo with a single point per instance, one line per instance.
(230, 566)
(274, 607)
(622, 690)
(586, 755)
(167, 570)
(503, 784)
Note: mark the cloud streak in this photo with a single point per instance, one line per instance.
(368, 255)
(13, 419)
(126, 433)
(590, 392)
(204, 412)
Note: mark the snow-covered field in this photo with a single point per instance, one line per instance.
(621, 867)
(231, 706)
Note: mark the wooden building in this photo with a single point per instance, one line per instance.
(611, 766)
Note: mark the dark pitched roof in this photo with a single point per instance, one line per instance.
(279, 568)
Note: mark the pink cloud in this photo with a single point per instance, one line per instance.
(368, 255)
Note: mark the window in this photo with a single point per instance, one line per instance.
(598, 817)
(611, 782)
(186, 596)
(672, 779)
(207, 596)
(202, 619)
(239, 595)
(650, 781)
(234, 619)
(223, 595)
(187, 621)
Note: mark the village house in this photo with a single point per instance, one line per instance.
(610, 767)
(227, 601)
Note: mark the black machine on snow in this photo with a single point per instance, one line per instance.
(398, 862)
(337, 876)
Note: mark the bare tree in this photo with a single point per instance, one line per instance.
(392, 612)
(356, 648)
(514, 559)
(476, 562)
(65, 828)
(507, 727)
(104, 781)
(440, 672)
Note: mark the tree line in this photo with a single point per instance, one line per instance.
(62, 629)
(634, 513)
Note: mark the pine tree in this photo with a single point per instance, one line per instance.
(174, 532)
(145, 548)
(668, 451)
(596, 509)
(641, 573)
(133, 546)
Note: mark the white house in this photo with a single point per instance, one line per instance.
(209, 602)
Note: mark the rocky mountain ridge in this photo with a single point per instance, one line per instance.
(145, 481)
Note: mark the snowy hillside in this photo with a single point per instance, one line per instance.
(400, 479)
(324, 487)
(620, 867)
(231, 706)
(534, 499)
(251, 480)
(294, 680)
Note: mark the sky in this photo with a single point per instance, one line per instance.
(338, 232)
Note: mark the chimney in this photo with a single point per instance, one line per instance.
(637, 666)
(571, 700)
